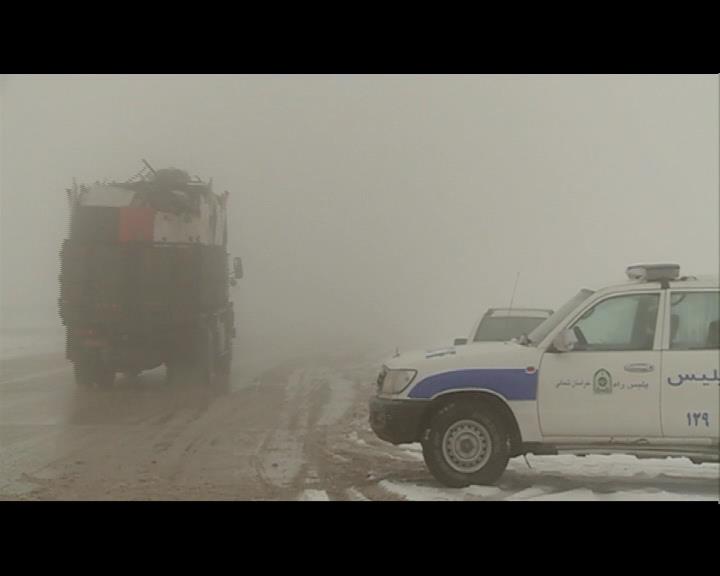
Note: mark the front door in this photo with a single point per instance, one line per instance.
(608, 385)
(690, 387)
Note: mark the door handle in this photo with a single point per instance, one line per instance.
(639, 367)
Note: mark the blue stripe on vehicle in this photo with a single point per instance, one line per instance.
(512, 384)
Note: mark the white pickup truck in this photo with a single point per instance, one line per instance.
(632, 368)
(501, 324)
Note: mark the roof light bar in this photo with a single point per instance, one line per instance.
(653, 272)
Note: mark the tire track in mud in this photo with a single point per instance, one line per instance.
(109, 439)
(65, 453)
(291, 459)
(280, 460)
(176, 444)
(344, 469)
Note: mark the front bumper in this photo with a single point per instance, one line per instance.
(397, 421)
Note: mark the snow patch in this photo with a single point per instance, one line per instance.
(587, 494)
(414, 451)
(425, 493)
(530, 493)
(356, 496)
(613, 466)
(355, 438)
(483, 491)
(314, 496)
(568, 477)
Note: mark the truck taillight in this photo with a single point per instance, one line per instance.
(85, 332)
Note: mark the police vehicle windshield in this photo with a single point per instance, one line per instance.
(538, 335)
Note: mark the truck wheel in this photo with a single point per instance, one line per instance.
(84, 373)
(467, 444)
(224, 367)
(105, 377)
(90, 371)
(205, 359)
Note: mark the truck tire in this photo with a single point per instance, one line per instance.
(90, 371)
(204, 372)
(467, 444)
(224, 367)
(105, 377)
(84, 372)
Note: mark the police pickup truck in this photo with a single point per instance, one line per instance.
(632, 368)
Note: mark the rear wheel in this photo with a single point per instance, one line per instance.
(90, 370)
(84, 373)
(467, 444)
(105, 376)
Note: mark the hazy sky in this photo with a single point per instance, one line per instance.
(393, 209)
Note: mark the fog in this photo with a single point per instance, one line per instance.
(378, 211)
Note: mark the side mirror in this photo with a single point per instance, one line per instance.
(237, 268)
(565, 341)
(460, 341)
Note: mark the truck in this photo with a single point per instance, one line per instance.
(501, 324)
(144, 280)
(631, 368)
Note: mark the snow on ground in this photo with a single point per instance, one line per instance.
(356, 495)
(314, 495)
(414, 451)
(567, 477)
(587, 494)
(417, 492)
(355, 438)
(615, 466)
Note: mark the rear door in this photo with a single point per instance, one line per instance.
(690, 390)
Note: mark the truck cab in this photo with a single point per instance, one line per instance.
(631, 368)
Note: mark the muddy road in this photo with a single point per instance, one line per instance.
(283, 434)
(295, 431)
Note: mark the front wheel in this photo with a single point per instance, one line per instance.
(204, 359)
(467, 444)
(224, 368)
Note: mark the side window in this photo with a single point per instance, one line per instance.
(695, 321)
(619, 323)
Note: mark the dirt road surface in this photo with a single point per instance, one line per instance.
(296, 431)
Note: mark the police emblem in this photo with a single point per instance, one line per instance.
(602, 382)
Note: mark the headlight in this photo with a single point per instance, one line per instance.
(396, 381)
